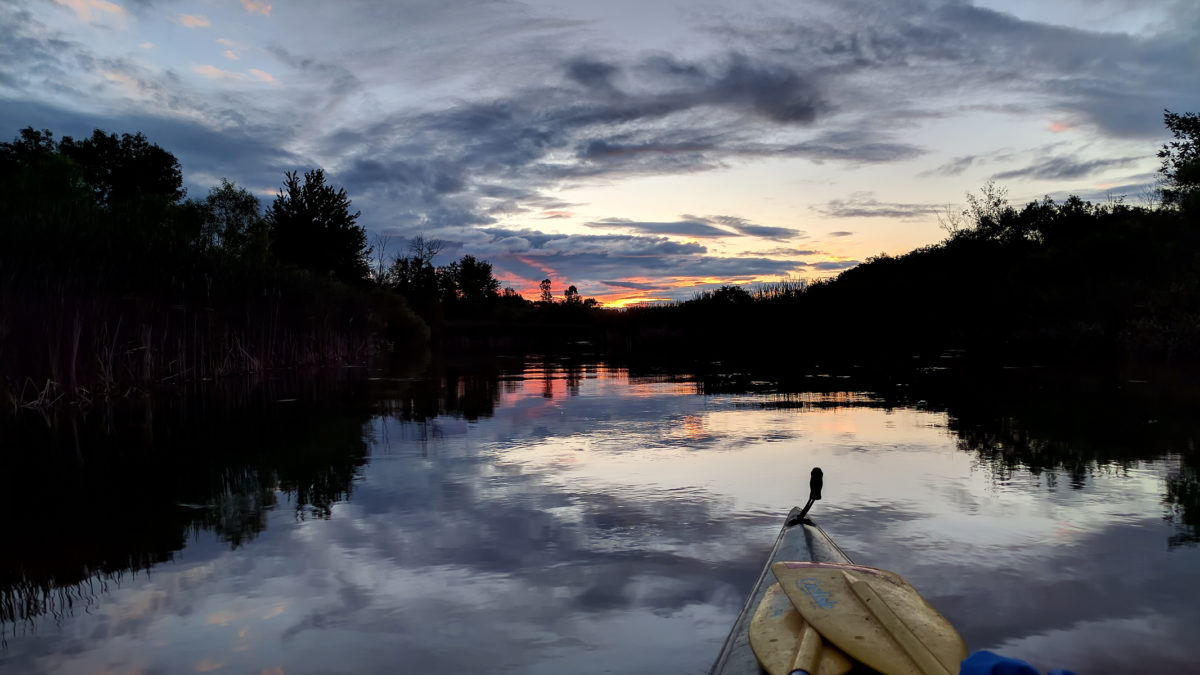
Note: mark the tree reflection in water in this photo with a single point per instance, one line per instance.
(96, 498)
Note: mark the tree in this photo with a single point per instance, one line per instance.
(547, 295)
(425, 250)
(475, 281)
(1181, 158)
(32, 169)
(731, 295)
(311, 225)
(468, 279)
(28, 148)
(381, 261)
(127, 170)
(571, 295)
(232, 216)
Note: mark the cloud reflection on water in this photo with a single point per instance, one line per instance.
(600, 531)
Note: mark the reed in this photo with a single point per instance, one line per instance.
(104, 341)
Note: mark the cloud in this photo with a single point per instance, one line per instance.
(230, 55)
(954, 167)
(855, 147)
(631, 285)
(592, 74)
(891, 56)
(1138, 189)
(781, 252)
(265, 77)
(682, 228)
(89, 11)
(1061, 168)
(637, 260)
(842, 233)
(146, 45)
(743, 226)
(703, 227)
(193, 21)
(623, 245)
(335, 79)
(863, 205)
(215, 73)
(516, 106)
(834, 265)
(257, 7)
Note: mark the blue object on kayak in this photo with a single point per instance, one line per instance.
(984, 662)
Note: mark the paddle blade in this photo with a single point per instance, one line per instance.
(874, 616)
(783, 642)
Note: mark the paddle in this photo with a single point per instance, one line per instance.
(785, 645)
(874, 616)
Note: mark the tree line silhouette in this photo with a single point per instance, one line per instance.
(111, 279)
(1046, 283)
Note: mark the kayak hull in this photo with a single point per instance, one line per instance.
(797, 541)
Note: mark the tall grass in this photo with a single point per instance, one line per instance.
(100, 302)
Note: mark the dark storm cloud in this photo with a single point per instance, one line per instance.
(1058, 168)
(862, 205)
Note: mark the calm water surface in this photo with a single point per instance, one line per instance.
(573, 521)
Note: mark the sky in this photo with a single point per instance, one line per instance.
(641, 151)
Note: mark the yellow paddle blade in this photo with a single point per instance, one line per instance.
(874, 616)
(783, 642)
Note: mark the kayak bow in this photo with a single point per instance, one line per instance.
(799, 539)
(827, 615)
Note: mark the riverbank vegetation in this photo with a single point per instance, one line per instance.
(1047, 283)
(111, 281)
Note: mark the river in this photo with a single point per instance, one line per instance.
(543, 518)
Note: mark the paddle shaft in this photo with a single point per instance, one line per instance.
(808, 657)
(908, 641)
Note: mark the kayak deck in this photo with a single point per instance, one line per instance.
(798, 540)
